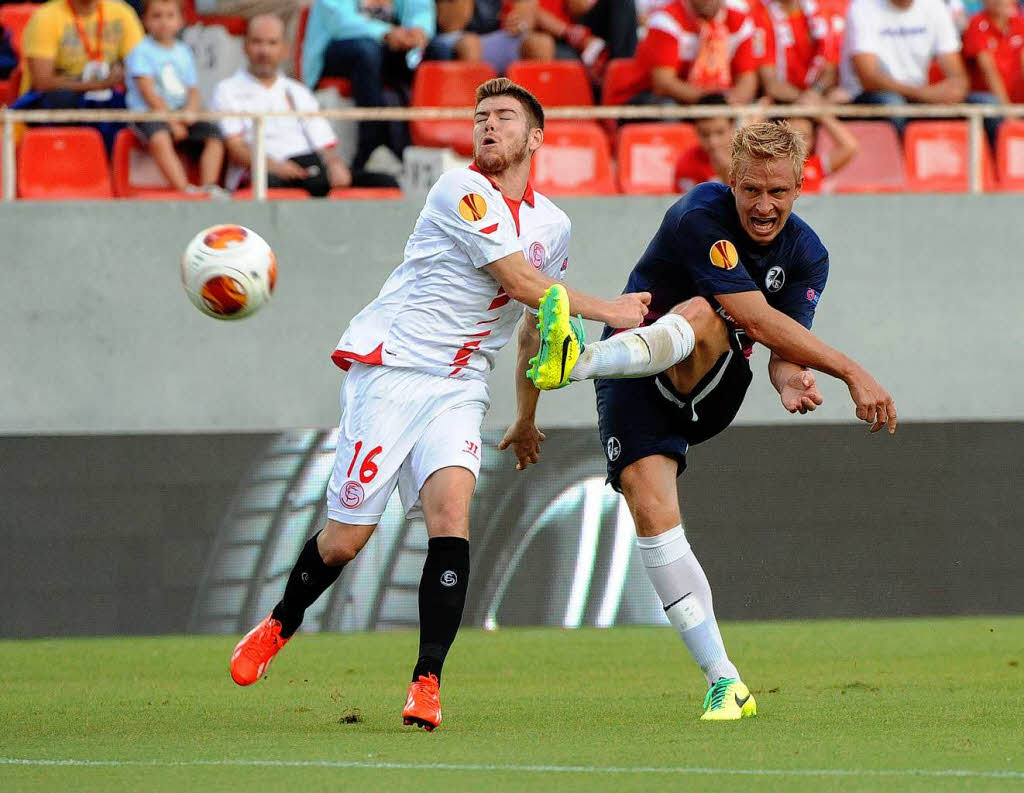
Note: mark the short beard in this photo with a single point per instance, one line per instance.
(499, 163)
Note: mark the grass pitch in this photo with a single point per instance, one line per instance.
(908, 705)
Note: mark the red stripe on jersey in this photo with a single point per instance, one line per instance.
(344, 358)
(489, 229)
(499, 301)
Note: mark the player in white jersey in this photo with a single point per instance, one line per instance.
(485, 245)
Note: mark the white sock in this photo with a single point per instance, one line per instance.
(639, 352)
(685, 593)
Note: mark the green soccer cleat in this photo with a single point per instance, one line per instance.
(728, 700)
(562, 340)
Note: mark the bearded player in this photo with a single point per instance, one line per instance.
(729, 266)
(417, 359)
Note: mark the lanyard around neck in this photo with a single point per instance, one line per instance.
(91, 53)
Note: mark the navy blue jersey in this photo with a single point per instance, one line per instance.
(701, 249)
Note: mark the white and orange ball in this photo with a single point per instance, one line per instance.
(229, 271)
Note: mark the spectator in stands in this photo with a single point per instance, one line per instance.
(573, 40)
(506, 31)
(74, 52)
(300, 152)
(453, 17)
(287, 10)
(583, 24)
(373, 43)
(799, 51)
(889, 47)
(817, 167)
(993, 49)
(710, 159)
(161, 75)
(693, 48)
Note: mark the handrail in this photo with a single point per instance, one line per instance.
(975, 115)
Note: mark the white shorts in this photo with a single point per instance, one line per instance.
(398, 426)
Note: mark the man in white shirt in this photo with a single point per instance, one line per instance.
(889, 48)
(418, 358)
(300, 152)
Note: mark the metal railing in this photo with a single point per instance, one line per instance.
(975, 115)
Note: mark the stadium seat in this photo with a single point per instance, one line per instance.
(447, 84)
(574, 160)
(58, 163)
(554, 83)
(14, 18)
(136, 174)
(647, 156)
(619, 82)
(366, 194)
(878, 166)
(233, 24)
(340, 84)
(937, 157)
(1010, 154)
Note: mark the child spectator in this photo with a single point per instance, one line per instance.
(817, 167)
(993, 47)
(162, 76)
(710, 159)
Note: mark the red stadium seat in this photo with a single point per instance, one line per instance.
(366, 194)
(574, 160)
(647, 156)
(878, 166)
(937, 159)
(1010, 154)
(63, 163)
(340, 84)
(447, 84)
(554, 83)
(136, 174)
(14, 18)
(619, 84)
(234, 25)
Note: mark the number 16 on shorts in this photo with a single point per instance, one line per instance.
(352, 493)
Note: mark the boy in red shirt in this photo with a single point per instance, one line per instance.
(710, 159)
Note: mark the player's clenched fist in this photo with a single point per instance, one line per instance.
(874, 405)
(628, 310)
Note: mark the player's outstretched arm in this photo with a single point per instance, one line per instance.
(527, 285)
(792, 342)
(523, 437)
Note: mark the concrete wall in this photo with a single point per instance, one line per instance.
(927, 291)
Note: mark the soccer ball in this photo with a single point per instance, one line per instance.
(228, 271)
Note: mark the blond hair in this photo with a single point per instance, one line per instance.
(502, 86)
(766, 141)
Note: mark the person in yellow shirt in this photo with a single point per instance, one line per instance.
(74, 52)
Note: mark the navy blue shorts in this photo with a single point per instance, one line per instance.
(646, 416)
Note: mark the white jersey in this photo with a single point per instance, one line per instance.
(439, 312)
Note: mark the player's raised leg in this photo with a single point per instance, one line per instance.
(564, 357)
(445, 499)
(649, 485)
(320, 562)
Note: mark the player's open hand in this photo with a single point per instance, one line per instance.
(524, 439)
(629, 310)
(874, 405)
(800, 394)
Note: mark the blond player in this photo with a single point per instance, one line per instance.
(417, 358)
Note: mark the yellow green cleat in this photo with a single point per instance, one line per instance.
(728, 700)
(562, 339)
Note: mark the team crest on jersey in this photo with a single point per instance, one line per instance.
(775, 278)
(472, 207)
(724, 255)
(537, 254)
(352, 494)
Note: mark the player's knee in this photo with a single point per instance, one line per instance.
(337, 548)
(707, 325)
(538, 46)
(649, 507)
(449, 520)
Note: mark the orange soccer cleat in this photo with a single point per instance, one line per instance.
(257, 649)
(423, 706)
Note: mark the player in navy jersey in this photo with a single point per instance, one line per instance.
(729, 266)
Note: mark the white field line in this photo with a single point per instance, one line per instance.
(542, 769)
